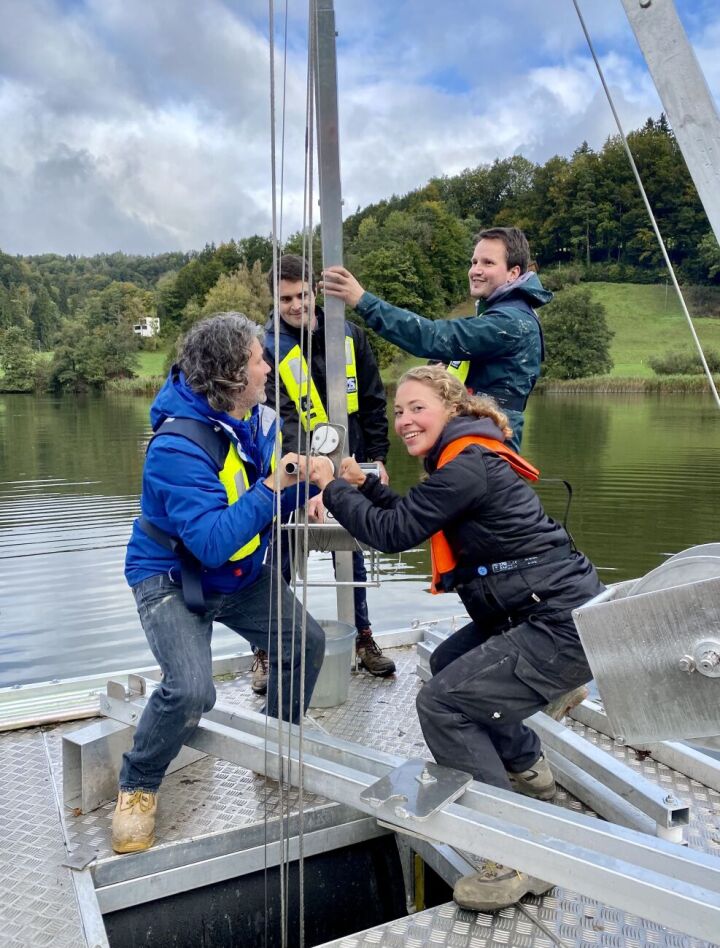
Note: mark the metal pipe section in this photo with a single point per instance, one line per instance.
(684, 93)
(332, 253)
(662, 807)
(675, 886)
(686, 760)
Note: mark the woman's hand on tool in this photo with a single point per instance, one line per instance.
(322, 471)
(351, 472)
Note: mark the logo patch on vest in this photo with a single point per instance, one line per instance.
(351, 385)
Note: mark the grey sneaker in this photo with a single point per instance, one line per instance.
(558, 708)
(494, 887)
(370, 656)
(537, 781)
(259, 673)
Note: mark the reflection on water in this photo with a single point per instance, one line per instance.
(643, 471)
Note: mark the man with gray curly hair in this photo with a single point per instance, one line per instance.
(196, 552)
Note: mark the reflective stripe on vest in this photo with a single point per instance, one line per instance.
(443, 558)
(234, 479)
(459, 370)
(308, 404)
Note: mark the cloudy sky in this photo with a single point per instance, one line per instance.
(144, 125)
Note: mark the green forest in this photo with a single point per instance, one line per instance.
(67, 323)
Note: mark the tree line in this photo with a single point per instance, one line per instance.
(583, 216)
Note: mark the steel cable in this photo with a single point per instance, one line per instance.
(648, 207)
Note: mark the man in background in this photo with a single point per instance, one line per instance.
(303, 404)
(499, 350)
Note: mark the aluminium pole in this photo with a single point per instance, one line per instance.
(684, 93)
(332, 253)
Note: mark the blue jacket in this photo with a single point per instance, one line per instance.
(182, 494)
(502, 341)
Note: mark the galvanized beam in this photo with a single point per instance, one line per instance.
(331, 232)
(663, 808)
(675, 886)
(684, 93)
(686, 760)
(92, 757)
(160, 873)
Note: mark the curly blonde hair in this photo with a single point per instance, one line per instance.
(450, 390)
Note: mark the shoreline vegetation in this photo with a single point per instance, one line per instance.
(603, 384)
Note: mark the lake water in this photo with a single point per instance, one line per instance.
(644, 470)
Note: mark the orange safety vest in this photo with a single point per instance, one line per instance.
(442, 556)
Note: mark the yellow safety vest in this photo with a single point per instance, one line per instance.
(459, 369)
(234, 479)
(306, 398)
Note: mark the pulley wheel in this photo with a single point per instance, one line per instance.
(678, 572)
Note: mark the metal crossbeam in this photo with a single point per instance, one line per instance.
(675, 886)
(686, 760)
(684, 93)
(146, 877)
(662, 807)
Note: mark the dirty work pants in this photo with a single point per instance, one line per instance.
(180, 641)
(486, 682)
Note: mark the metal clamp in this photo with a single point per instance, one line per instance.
(416, 789)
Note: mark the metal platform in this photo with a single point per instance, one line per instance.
(211, 799)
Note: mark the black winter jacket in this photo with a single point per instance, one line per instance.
(488, 513)
(368, 427)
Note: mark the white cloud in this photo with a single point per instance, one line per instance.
(145, 126)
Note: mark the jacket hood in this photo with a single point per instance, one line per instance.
(527, 287)
(177, 400)
(462, 426)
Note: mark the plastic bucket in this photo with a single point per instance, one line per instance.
(331, 687)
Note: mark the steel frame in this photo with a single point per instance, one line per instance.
(675, 886)
(684, 93)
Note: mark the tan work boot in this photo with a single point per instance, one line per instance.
(259, 670)
(494, 887)
(537, 781)
(558, 708)
(370, 656)
(133, 823)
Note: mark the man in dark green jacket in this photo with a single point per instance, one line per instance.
(498, 351)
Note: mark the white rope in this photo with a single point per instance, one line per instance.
(635, 171)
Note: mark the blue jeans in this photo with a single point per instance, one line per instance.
(180, 641)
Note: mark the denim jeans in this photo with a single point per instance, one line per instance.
(180, 641)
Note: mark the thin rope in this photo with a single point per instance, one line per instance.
(635, 171)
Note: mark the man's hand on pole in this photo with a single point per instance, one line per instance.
(339, 282)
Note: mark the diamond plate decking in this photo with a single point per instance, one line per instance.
(37, 901)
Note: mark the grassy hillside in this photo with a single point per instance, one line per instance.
(647, 321)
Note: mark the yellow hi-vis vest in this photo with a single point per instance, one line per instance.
(234, 479)
(459, 369)
(306, 398)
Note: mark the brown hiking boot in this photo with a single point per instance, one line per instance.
(494, 887)
(537, 781)
(370, 656)
(133, 822)
(259, 673)
(558, 708)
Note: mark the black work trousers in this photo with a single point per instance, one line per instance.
(486, 682)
